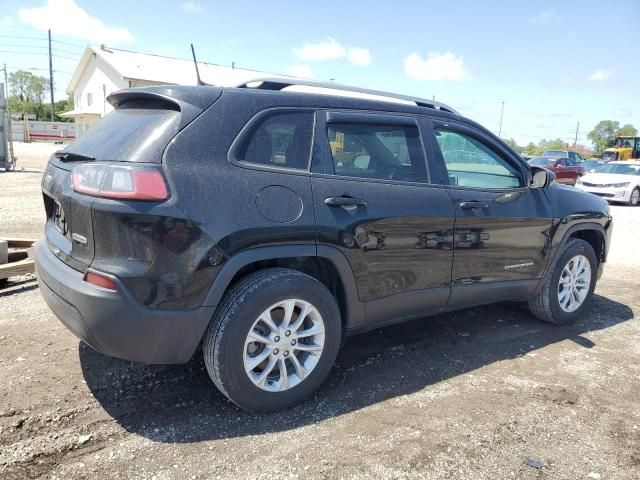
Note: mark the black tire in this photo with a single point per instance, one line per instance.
(223, 346)
(546, 305)
(631, 202)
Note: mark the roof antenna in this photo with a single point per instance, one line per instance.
(193, 52)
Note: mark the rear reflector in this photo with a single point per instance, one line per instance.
(123, 182)
(100, 280)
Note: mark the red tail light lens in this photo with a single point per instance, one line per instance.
(124, 182)
(100, 280)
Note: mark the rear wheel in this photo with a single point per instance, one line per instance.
(569, 288)
(635, 197)
(273, 339)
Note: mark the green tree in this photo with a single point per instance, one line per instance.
(628, 130)
(513, 144)
(62, 106)
(603, 134)
(532, 149)
(27, 94)
(557, 144)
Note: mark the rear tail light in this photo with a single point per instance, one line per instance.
(100, 280)
(124, 182)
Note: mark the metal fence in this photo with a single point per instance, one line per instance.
(22, 131)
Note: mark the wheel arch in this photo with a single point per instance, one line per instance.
(325, 264)
(593, 236)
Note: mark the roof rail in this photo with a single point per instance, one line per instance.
(275, 83)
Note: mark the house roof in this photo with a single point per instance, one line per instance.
(159, 69)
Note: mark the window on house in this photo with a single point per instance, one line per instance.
(89, 99)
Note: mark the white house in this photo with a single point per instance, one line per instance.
(103, 70)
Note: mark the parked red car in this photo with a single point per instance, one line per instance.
(567, 170)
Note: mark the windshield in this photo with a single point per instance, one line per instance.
(591, 164)
(624, 143)
(555, 153)
(620, 169)
(542, 161)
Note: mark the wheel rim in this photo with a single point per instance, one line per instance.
(635, 196)
(284, 345)
(574, 283)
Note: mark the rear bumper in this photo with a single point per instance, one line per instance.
(114, 323)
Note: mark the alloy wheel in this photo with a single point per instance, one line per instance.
(574, 283)
(284, 345)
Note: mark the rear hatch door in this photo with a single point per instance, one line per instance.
(138, 130)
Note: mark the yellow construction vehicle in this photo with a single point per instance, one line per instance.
(626, 147)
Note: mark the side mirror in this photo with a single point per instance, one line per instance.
(541, 177)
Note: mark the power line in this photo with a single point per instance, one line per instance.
(22, 38)
(66, 58)
(20, 45)
(70, 44)
(23, 53)
(66, 51)
(12, 67)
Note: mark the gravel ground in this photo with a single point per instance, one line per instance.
(484, 393)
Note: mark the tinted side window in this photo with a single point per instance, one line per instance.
(473, 164)
(280, 139)
(388, 152)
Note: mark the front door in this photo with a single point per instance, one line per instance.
(374, 203)
(502, 227)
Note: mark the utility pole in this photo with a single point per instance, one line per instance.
(575, 143)
(501, 115)
(8, 132)
(51, 77)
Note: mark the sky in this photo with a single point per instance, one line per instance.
(552, 63)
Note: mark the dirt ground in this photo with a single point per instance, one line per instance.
(484, 393)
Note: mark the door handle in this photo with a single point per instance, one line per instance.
(469, 205)
(344, 201)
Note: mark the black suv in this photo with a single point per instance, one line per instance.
(267, 224)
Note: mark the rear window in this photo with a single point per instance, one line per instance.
(555, 153)
(542, 162)
(135, 132)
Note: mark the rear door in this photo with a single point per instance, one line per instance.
(374, 202)
(502, 227)
(138, 130)
(563, 173)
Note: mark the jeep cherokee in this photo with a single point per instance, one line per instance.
(266, 223)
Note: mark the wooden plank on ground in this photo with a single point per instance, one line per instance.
(20, 242)
(17, 268)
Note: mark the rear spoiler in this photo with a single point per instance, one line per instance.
(189, 101)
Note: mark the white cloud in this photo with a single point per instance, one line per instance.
(360, 57)
(192, 7)
(622, 112)
(302, 71)
(65, 17)
(543, 17)
(328, 49)
(600, 75)
(6, 21)
(331, 49)
(436, 67)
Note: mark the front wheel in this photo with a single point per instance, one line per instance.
(273, 339)
(570, 285)
(634, 199)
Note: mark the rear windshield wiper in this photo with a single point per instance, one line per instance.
(72, 157)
